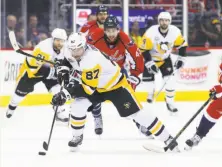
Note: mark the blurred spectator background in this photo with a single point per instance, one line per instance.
(33, 20)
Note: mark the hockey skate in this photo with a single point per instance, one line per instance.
(75, 142)
(171, 107)
(194, 141)
(10, 111)
(174, 146)
(98, 125)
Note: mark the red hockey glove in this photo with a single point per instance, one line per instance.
(218, 90)
(133, 81)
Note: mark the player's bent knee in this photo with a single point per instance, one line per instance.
(79, 107)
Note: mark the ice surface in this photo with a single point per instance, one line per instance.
(120, 145)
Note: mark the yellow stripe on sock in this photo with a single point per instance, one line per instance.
(156, 127)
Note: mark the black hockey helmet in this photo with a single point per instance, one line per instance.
(111, 22)
(102, 9)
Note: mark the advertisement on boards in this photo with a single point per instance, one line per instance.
(134, 15)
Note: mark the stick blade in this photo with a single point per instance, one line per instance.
(154, 148)
(45, 146)
(13, 40)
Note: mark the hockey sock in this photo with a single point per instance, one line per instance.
(170, 96)
(96, 110)
(77, 125)
(153, 124)
(204, 126)
(15, 100)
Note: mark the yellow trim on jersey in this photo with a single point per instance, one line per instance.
(87, 89)
(156, 127)
(107, 86)
(180, 41)
(91, 76)
(118, 85)
(159, 59)
(133, 94)
(33, 63)
(147, 44)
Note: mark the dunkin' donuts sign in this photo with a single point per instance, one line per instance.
(195, 69)
(193, 74)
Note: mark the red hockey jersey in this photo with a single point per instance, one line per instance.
(89, 27)
(122, 49)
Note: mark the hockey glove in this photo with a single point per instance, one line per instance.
(60, 98)
(152, 67)
(63, 74)
(179, 62)
(133, 81)
(218, 90)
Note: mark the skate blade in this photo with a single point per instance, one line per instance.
(173, 114)
(187, 148)
(74, 149)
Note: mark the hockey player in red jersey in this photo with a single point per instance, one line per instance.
(210, 117)
(118, 47)
(101, 15)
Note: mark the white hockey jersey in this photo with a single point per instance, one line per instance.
(159, 46)
(44, 50)
(97, 71)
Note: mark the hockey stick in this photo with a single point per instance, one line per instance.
(46, 145)
(191, 120)
(18, 50)
(164, 84)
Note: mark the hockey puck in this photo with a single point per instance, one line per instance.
(42, 153)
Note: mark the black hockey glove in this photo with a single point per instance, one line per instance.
(152, 67)
(60, 98)
(63, 74)
(179, 62)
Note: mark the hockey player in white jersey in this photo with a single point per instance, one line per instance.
(157, 45)
(102, 80)
(34, 71)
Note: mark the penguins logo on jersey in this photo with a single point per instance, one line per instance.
(163, 47)
(127, 105)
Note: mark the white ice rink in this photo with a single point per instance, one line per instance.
(120, 145)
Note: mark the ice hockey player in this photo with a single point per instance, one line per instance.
(34, 71)
(117, 45)
(157, 45)
(102, 80)
(210, 117)
(101, 15)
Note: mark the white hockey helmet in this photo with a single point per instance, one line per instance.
(164, 15)
(59, 34)
(76, 40)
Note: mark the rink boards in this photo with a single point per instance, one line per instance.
(192, 82)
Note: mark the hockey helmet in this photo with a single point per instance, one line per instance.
(59, 34)
(76, 40)
(102, 9)
(164, 15)
(111, 22)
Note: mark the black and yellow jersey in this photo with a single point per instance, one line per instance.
(160, 46)
(44, 50)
